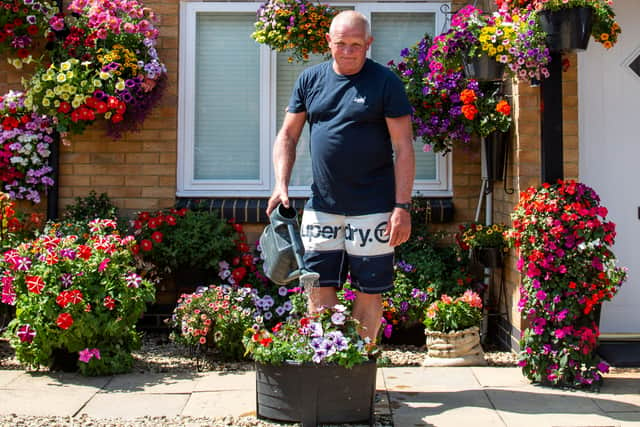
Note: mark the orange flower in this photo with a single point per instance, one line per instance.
(469, 111)
(468, 96)
(503, 107)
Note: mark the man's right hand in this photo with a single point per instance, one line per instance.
(279, 195)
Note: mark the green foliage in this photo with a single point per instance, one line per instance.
(91, 207)
(78, 295)
(448, 315)
(176, 239)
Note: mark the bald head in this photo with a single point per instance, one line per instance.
(352, 20)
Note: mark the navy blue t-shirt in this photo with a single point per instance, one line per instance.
(351, 151)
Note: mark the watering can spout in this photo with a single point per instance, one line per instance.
(283, 251)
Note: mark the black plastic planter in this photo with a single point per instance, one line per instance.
(495, 146)
(488, 257)
(313, 394)
(567, 29)
(484, 69)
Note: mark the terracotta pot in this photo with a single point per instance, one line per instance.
(458, 348)
(313, 394)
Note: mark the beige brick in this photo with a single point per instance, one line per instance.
(141, 180)
(158, 192)
(142, 158)
(167, 181)
(107, 180)
(107, 158)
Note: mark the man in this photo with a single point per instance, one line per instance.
(359, 118)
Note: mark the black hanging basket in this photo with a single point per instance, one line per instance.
(495, 146)
(312, 394)
(483, 68)
(488, 257)
(567, 29)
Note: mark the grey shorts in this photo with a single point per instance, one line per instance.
(337, 244)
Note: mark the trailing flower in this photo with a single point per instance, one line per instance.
(16, 227)
(295, 26)
(568, 270)
(476, 235)
(25, 137)
(23, 28)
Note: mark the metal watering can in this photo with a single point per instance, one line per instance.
(282, 249)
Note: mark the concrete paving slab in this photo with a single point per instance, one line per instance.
(560, 420)
(57, 380)
(6, 377)
(129, 405)
(429, 378)
(453, 408)
(220, 381)
(491, 376)
(62, 402)
(154, 383)
(221, 403)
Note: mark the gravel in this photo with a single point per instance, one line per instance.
(159, 354)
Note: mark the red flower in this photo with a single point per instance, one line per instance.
(157, 236)
(468, 96)
(35, 284)
(266, 341)
(469, 111)
(146, 245)
(64, 321)
(84, 252)
(109, 302)
(32, 30)
(503, 107)
(171, 220)
(239, 273)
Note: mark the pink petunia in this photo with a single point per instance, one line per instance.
(26, 333)
(103, 264)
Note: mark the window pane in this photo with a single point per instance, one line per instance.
(227, 125)
(393, 32)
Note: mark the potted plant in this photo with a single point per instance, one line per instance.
(487, 242)
(570, 23)
(452, 330)
(295, 26)
(314, 369)
(75, 296)
(563, 241)
(103, 65)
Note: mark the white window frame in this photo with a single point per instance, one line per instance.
(187, 186)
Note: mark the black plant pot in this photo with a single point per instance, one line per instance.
(488, 257)
(567, 29)
(483, 68)
(63, 360)
(495, 146)
(314, 394)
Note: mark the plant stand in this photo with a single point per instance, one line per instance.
(459, 348)
(313, 394)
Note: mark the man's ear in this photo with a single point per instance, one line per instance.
(327, 37)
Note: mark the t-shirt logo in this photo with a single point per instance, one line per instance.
(360, 99)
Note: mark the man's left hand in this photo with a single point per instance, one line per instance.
(399, 227)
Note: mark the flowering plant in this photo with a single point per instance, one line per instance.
(182, 238)
(25, 137)
(494, 112)
(22, 24)
(605, 29)
(404, 305)
(16, 227)
(296, 26)
(564, 252)
(84, 298)
(449, 315)
(105, 66)
(329, 336)
(476, 235)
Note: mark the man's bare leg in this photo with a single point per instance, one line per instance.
(367, 308)
(320, 298)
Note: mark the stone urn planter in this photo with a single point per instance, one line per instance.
(458, 348)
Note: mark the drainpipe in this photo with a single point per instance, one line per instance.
(551, 122)
(54, 161)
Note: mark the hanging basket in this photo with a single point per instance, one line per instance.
(483, 68)
(313, 394)
(488, 257)
(567, 29)
(496, 152)
(458, 348)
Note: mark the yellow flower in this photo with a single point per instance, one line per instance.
(46, 102)
(70, 74)
(61, 78)
(49, 94)
(97, 83)
(107, 115)
(104, 75)
(77, 101)
(65, 96)
(65, 66)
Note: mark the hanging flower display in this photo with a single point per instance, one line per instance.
(564, 248)
(23, 24)
(24, 149)
(104, 66)
(294, 26)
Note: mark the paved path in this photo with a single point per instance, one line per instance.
(413, 396)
